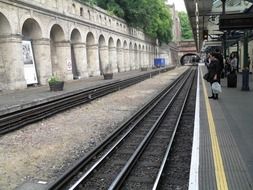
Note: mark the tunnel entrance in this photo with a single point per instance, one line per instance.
(189, 58)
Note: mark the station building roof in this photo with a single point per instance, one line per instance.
(204, 15)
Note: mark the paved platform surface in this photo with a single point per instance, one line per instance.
(226, 153)
(13, 100)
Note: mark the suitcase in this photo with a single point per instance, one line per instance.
(232, 80)
(222, 75)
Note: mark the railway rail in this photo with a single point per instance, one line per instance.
(24, 116)
(134, 156)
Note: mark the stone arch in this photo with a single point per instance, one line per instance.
(125, 56)
(156, 51)
(75, 36)
(143, 56)
(77, 54)
(31, 29)
(90, 39)
(131, 55)
(125, 44)
(31, 32)
(5, 27)
(140, 53)
(150, 62)
(111, 42)
(118, 43)
(36, 22)
(112, 56)
(57, 33)
(147, 56)
(92, 54)
(103, 53)
(135, 56)
(119, 56)
(130, 45)
(56, 37)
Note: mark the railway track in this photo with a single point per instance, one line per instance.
(134, 156)
(22, 117)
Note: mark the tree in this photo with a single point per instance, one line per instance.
(150, 15)
(185, 26)
(90, 2)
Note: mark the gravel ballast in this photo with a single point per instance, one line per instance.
(44, 150)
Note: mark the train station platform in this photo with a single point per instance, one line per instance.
(223, 137)
(222, 149)
(15, 100)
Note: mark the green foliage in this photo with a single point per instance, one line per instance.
(185, 26)
(53, 79)
(150, 15)
(90, 2)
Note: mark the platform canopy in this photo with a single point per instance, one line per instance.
(204, 16)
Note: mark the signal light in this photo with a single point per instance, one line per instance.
(205, 34)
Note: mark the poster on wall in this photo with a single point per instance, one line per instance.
(29, 64)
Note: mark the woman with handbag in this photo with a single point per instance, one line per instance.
(214, 74)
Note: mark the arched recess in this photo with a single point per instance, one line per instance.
(103, 54)
(147, 56)
(5, 30)
(139, 58)
(125, 56)
(140, 53)
(190, 58)
(56, 36)
(92, 54)
(31, 31)
(131, 55)
(143, 57)
(156, 52)
(119, 56)
(135, 56)
(5, 27)
(150, 57)
(76, 46)
(112, 57)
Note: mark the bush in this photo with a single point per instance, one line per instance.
(53, 79)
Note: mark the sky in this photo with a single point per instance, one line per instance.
(179, 4)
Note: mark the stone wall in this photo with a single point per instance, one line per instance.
(69, 39)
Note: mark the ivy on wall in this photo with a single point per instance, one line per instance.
(185, 26)
(152, 16)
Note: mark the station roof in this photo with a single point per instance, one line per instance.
(204, 15)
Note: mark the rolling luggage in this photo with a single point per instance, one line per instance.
(232, 80)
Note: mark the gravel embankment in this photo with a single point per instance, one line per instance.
(44, 150)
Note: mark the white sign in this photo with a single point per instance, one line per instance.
(29, 65)
(69, 65)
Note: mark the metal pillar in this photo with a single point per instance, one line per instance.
(225, 33)
(245, 71)
(223, 6)
(238, 49)
(225, 45)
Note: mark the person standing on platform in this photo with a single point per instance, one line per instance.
(233, 63)
(207, 60)
(219, 57)
(214, 73)
(227, 66)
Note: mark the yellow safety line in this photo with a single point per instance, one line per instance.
(218, 163)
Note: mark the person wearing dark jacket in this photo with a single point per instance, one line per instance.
(214, 73)
(219, 57)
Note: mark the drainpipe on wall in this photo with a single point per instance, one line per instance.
(245, 71)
